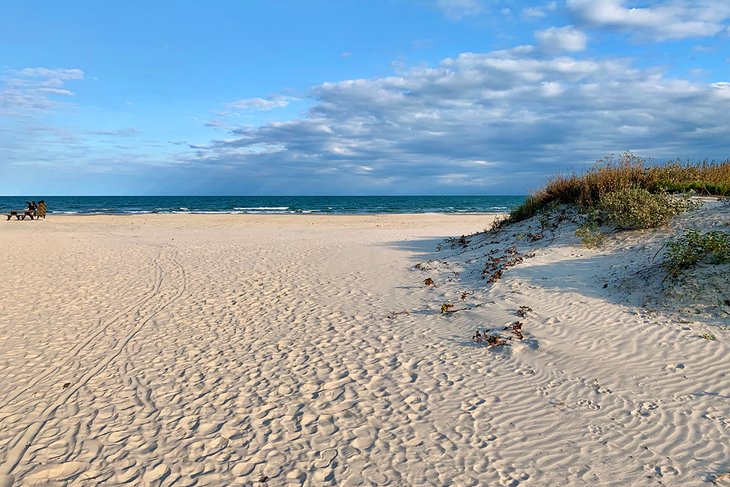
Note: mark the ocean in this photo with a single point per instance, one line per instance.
(267, 204)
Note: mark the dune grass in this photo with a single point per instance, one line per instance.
(628, 173)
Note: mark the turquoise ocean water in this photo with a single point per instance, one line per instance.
(267, 204)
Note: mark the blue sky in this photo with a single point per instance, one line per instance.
(352, 97)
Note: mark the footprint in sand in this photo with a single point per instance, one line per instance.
(157, 474)
(646, 408)
(365, 437)
(587, 404)
(326, 425)
(243, 469)
(661, 471)
(325, 458)
(524, 371)
(595, 429)
(56, 473)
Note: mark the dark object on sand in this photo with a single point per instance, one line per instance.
(20, 214)
(33, 210)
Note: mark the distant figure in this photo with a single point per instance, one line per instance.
(30, 210)
(41, 210)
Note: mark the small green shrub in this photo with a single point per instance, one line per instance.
(590, 234)
(694, 247)
(634, 208)
(546, 214)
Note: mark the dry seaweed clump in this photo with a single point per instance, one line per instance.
(491, 339)
(447, 308)
(495, 266)
(523, 311)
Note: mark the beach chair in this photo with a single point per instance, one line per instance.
(41, 210)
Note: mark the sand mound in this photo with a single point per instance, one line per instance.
(628, 364)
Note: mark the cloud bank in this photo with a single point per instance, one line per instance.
(457, 9)
(28, 91)
(483, 122)
(259, 104)
(557, 39)
(671, 19)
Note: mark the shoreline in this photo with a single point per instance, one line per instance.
(304, 214)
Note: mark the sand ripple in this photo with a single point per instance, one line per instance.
(237, 351)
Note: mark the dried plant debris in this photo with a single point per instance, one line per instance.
(430, 265)
(447, 308)
(464, 295)
(455, 242)
(494, 339)
(428, 281)
(490, 340)
(393, 314)
(496, 276)
(523, 311)
(516, 328)
(495, 266)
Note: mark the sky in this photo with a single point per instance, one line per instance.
(352, 97)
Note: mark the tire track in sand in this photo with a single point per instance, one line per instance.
(23, 441)
(101, 328)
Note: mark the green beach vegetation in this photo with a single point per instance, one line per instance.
(693, 247)
(628, 192)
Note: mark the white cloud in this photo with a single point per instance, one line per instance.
(557, 39)
(27, 92)
(660, 20)
(468, 118)
(259, 104)
(128, 132)
(457, 9)
(539, 12)
(60, 74)
(722, 89)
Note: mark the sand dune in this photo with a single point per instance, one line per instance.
(240, 349)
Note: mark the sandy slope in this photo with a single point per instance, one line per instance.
(185, 350)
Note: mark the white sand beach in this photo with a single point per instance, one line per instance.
(307, 350)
